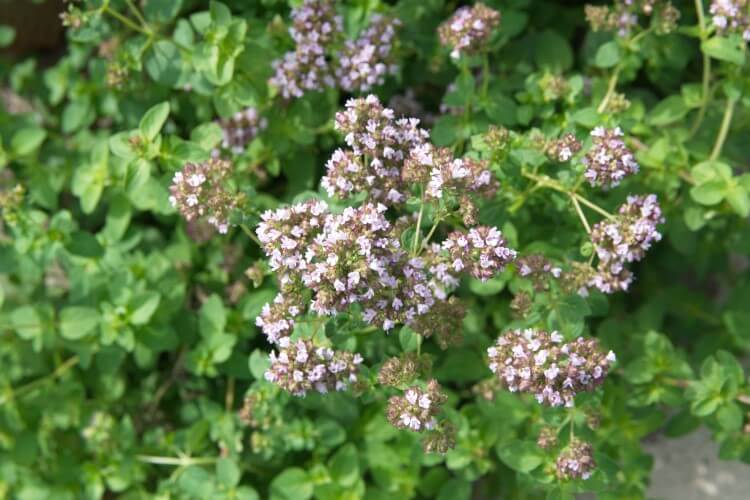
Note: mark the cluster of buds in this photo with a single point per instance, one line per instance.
(547, 438)
(301, 367)
(609, 160)
(407, 104)
(538, 269)
(540, 363)
(240, 129)
(482, 251)
(468, 29)
(731, 16)
(623, 240)
(313, 66)
(199, 190)
(11, 198)
(417, 409)
(564, 148)
(624, 15)
(365, 62)
(397, 372)
(576, 461)
(440, 439)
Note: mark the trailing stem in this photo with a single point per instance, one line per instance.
(726, 122)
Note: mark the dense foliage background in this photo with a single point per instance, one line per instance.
(130, 363)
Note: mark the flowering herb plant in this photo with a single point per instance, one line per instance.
(367, 249)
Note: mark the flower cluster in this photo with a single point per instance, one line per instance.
(538, 269)
(623, 16)
(609, 160)
(624, 239)
(576, 461)
(402, 370)
(547, 438)
(481, 251)
(379, 145)
(564, 148)
(366, 61)
(312, 66)
(469, 29)
(417, 409)
(199, 190)
(540, 363)
(315, 25)
(730, 16)
(302, 367)
(240, 129)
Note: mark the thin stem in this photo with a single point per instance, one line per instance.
(726, 122)
(32, 386)
(124, 20)
(229, 398)
(417, 230)
(136, 13)
(706, 69)
(419, 346)
(580, 213)
(485, 74)
(611, 86)
(593, 206)
(178, 461)
(251, 235)
(427, 238)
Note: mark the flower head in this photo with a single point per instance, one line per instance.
(468, 29)
(366, 61)
(576, 461)
(609, 160)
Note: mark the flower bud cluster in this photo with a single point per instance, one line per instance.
(315, 25)
(199, 190)
(481, 251)
(564, 148)
(731, 16)
(302, 367)
(365, 62)
(417, 409)
(361, 64)
(468, 29)
(397, 372)
(538, 269)
(540, 363)
(240, 129)
(576, 461)
(379, 145)
(624, 239)
(624, 15)
(440, 439)
(547, 438)
(609, 160)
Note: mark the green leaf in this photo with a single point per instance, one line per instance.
(143, 307)
(552, 52)
(227, 472)
(220, 13)
(408, 339)
(207, 135)
(730, 417)
(121, 146)
(164, 63)
(709, 193)
(153, 120)
(292, 484)
(213, 317)
(455, 489)
(7, 35)
(492, 286)
(521, 456)
(344, 465)
(738, 199)
(607, 55)
(84, 244)
(668, 111)
(729, 49)
(162, 11)
(26, 322)
(27, 140)
(259, 363)
(76, 115)
(77, 322)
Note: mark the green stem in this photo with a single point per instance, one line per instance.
(32, 386)
(726, 122)
(593, 206)
(417, 230)
(124, 20)
(553, 184)
(580, 213)
(178, 461)
(432, 231)
(611, 86)
(706, 68)
(137, 14)
(485, 74)
(419, 346)
(250, 235)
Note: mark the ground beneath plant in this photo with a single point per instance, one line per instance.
(688, 468)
